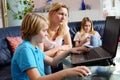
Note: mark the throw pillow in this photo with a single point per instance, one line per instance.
(14, 42)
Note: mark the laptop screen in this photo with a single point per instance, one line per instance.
(111, 34)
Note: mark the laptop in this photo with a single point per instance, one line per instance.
(104, 54)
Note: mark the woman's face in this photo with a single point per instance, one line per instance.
(87, 26)
(60, 16)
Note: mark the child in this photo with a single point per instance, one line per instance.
(28, 59)
(87, 35)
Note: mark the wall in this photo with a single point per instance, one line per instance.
(75, 14)
(111, 8)
(95, 4)
(15, 7)
(95, 13)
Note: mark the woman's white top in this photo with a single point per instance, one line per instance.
(49, 44)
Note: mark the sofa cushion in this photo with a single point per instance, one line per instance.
(5, 49)
(14, 42)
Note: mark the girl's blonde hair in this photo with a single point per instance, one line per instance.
(54, 8)
(31, 25)
(83, 23)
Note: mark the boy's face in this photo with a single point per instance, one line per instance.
(42, 34)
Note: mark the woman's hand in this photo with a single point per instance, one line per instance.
(79, 70)
(79, 49)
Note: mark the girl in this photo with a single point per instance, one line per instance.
(87, 35)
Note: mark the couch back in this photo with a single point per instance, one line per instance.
(5, 50)
(75, 26)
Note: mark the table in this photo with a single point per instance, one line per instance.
(103, 72)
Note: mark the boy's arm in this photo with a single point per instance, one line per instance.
(80, 70)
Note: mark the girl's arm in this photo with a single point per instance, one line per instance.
(77, 40)
(78, 43)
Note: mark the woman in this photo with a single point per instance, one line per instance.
(58, 39)
(87, 35)
(28, 59)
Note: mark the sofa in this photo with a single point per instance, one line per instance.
(6, 51)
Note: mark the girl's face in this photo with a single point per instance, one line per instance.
(87, 27)
(60, 16)
(42, 34)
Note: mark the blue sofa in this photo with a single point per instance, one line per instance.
(6, 51)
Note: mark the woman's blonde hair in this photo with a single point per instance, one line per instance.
(54, 8)
(31, 25)
(83, 23)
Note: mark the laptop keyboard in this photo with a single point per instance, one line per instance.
(102, 52)
(92, 55)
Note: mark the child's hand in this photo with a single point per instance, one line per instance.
(87, 39)
(79, 70)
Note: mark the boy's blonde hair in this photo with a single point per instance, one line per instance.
(31, 25)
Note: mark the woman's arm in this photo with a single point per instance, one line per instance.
(52, 52)
(59, 58)
(67, 39)
(67, 45)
